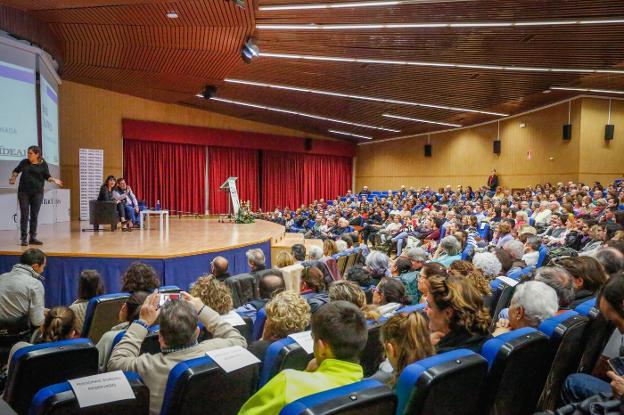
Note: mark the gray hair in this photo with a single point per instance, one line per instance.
(534, 242)
(560, 280)
(315, 252)
(538, 300)
(378, 264)
(488, 263)
(255, 257)
(341, 245)
(451, 245)
(515, 248)
(416, 254)
(611, 259)
(178, 324)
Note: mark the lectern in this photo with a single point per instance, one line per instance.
(233, 203)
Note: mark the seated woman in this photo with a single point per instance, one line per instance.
(473, 274)
(127, 314)
(488, 263)
(59, 324)
(286, 313)
(448, 251)
(329, 248)
(428, 270)
(89, 285)
(313, 288)
(390, 296)
(139, 277)
(457, 315)
(378, 264)
(106, 195)
(284, 259)
(344, 290)
(532, 303)
(406, 339)
(588, 276)
(214, 293)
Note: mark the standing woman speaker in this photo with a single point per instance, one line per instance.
(34, 170)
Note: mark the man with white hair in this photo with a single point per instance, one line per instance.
(515, 248)
(542, 216)
(488, 263)
(560, 280)
(315, 253)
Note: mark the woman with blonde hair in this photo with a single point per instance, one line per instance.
(284, 259)
(213, 293)
(473, 274)
(329, 248)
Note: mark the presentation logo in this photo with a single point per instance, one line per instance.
(12, 152)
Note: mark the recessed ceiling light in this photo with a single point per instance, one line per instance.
(172, 15)
(400, 117)
(361, 97)
(600, 91)
(439, 64)
(312, 6)
(303, 114)
(350, 134)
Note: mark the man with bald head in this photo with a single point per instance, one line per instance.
(219, 268)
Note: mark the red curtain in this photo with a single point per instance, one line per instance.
(172, 173)
(326, 177)
(224, 162)
(282, 180)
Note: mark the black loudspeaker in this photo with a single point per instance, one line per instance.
(567, 131)
(307, 144)
(497, 146)
(427, 150)
(609, 130)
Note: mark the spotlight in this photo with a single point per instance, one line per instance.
(249, 51)
(209, 91)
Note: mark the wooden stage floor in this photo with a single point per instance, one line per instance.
(185, 237)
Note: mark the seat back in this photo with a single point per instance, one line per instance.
(466, 252)
(282, 354)
(543, 254)
(103, 213)
(59, 399)
(332, 266)
(200, 386)
(11, 332)
(502, 291)
(350, 261)
(150, 344)
(373, 353)
(341, 263)
(519, 273)
(243, 287)
(565, 346)
(484, 231)
(258, 325)
(34, 367)
(367, 397)
(596, 335)
(292, 276)
(446, 384)
(518, 357)
(102, 314)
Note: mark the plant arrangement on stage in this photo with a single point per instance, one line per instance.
(244, 214)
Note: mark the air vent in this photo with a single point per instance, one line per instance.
(527, 38)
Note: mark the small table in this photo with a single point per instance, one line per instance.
(145, 214)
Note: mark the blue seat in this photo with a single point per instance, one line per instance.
(484, 231)
(364, 398)
(200, 386)
(466, 252)
(519, 273)
(543, 253)
(258, 325)
(34, 367)
(373, 353)
(442, 232)
(150, 344)
(102, 314)
(532, 221)
(565, 332)
(503, 289)
(169, 289)
(446, 384)
(59, 399)
(282, 354)
(596, 335)
(516, 358)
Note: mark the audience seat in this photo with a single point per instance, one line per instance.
(517, 370)
(373, 353)
(341, 263)
(243, 287)
(519, 273)
(466, 252)
(258, 325)
(34, 367)
(543, 254)
(502, 291)
(565, 347)
(11, 332)
(596, 335)
(351, 260)
(200, 386)
(283, 354)
(103, 213)
(484, 231)
(59, 399)
(446, 384)
(292, 276)
(332, 266)
(367, 397)
(102, 314)
(150, 344)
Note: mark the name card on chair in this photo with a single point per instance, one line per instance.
(232, 358)
(509, 281)
(102, 388)
(233, 318)
(304, 339)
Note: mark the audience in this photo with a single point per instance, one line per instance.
(531, 250)
(298, 252)
(89, 285)
(390, 296)
(378, 264)
(256, 261)
(313, 288)
(532, 303)
(561, 281)
(139, 277)
(611, 260)
(402, 269)
(329, 248)
(315, 253)
(219, 268)
(488, 263)
(587, 277)
(284, 259)
(270, 283)
(428, 270)
(347, 291)
(213, 293)
(473, 275)
(448, 251)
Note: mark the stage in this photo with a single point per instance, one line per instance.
(179, 256)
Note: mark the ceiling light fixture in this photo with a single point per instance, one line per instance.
(362, 97)
(448, 25)
(399, 117)
(312, 6)
(172, 15)
(439, 64)
(350, 134)
(249, 50)
(302, 114)
(600, 91)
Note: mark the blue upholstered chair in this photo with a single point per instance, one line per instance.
(484, 231)
(258, 325)
(543, 254)
(446, 384)
(282, 354)
(59, 399)
(34, 367)
(102, 314)
(367, 397)
(597, 334)
(150, 344)
(517, 358)
(519, 273)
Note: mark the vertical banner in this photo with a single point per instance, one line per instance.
(234, 194)
(91, 172)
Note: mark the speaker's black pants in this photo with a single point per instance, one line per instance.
(29, 203)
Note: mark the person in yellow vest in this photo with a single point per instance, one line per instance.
(339, 332)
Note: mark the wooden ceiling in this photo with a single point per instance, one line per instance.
(130, 46)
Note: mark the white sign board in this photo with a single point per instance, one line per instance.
(234, 195)
(54, 209)
(91, 172)
(232, 318)
(102, 388)
(232, 358)
(304, 339)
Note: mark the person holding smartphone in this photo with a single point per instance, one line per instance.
(35, 173)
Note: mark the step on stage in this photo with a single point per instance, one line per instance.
(179, 256)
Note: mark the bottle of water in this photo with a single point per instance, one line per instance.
(158, 205)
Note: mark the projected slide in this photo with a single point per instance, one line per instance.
(18, 112)
(49, 123)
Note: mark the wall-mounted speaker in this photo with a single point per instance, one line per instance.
(609, 130)
(567, 131)
(307, 144)
(497, 146)
(428, 150)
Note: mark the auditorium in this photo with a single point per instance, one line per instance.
(312, 207)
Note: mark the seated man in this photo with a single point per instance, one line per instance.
(270, 284)
(339, 332)
(126, 196)
(178, 341)
(313, 288)
(219, 268)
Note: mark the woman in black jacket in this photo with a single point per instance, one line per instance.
(106, 195)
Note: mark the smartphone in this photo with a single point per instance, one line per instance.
(617, 365)
(167, 297)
